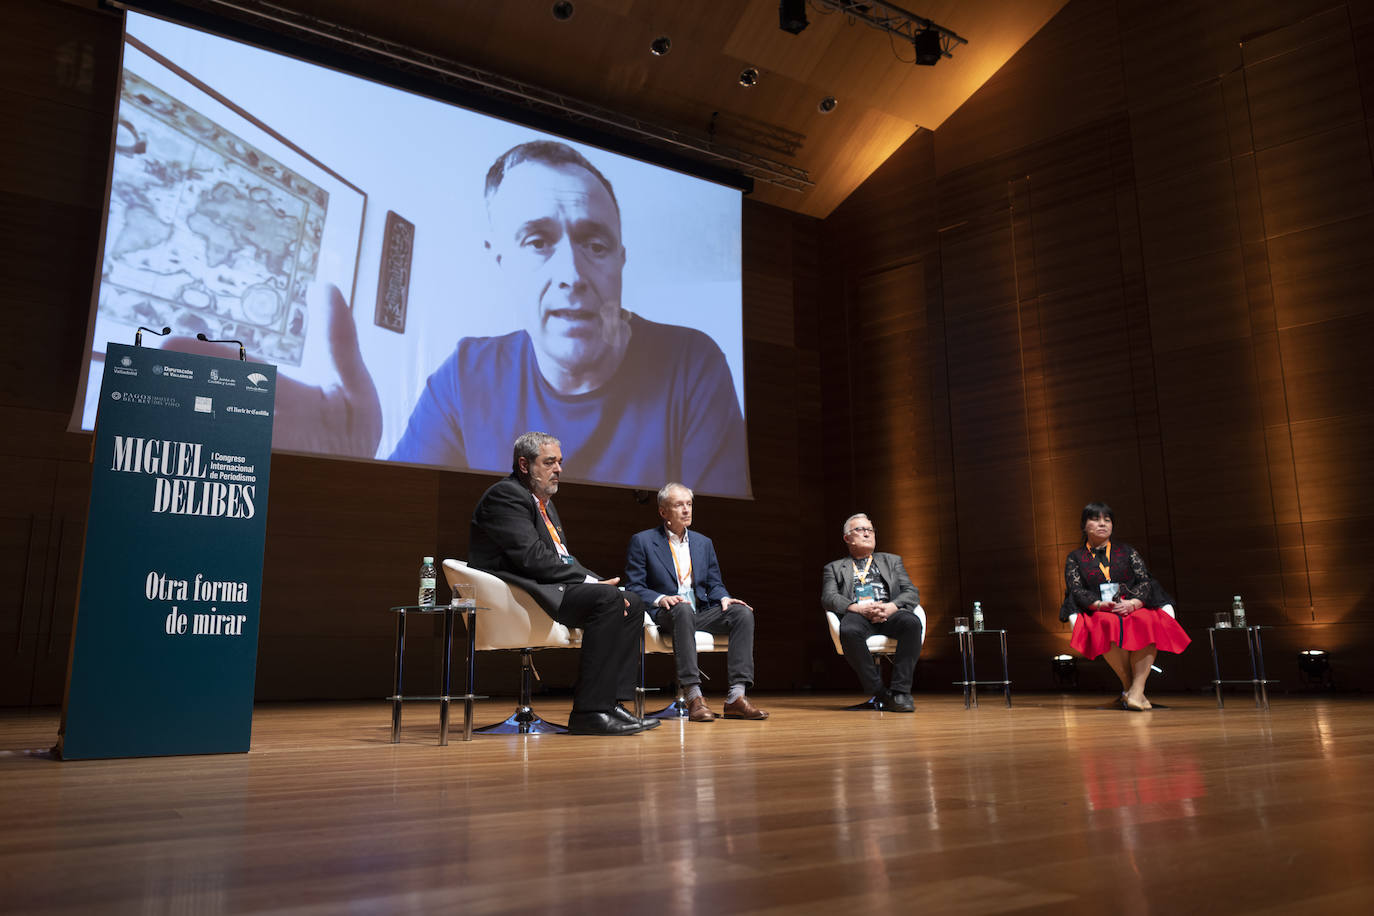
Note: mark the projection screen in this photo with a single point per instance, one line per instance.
(429, 280)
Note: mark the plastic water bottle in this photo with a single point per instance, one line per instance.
(1237, 612)
(426, 598)
(977, 615)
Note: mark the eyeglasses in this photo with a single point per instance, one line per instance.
(864, 530)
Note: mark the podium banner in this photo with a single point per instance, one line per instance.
(164, 650)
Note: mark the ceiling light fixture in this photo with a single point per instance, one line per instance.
(660, 46)
(748, 77)
(931, 40)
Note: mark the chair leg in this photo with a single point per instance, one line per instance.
(674, 710)
(524, 721)
(640, 689)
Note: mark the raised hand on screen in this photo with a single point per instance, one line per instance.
(341, 418)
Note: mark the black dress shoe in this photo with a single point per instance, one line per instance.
(624, 715)
(601, 723)
(900, 702)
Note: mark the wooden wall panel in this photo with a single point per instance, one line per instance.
(1188, 214)
(1198, 301)
(1321, 274)
(1179, 133)
(1075, 55)
(1316, 180)
(1073, 220)
(1085, 349)
(1309, 90)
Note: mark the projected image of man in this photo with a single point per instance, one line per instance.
(637, 401)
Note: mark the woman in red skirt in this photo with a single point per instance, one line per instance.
(1119, 607)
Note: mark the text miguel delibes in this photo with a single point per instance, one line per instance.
(186, 484)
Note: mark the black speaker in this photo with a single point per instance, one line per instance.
(792, 16)
(928, 49)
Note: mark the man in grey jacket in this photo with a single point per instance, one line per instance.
(872, 595)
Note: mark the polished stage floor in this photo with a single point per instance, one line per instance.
(1053, 806)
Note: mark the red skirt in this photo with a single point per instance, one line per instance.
(1094, 634)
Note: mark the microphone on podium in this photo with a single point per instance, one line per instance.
(242, 356)
(138, 335)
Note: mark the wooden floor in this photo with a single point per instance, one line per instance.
(1053, 806)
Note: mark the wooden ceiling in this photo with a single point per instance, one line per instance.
(601, 55)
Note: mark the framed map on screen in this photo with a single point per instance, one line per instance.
(216, 223)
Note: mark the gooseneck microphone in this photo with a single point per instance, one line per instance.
(242, 356)
(138, 335)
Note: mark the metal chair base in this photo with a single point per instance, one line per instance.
(674, 710)
(871, 704)
(524, 721)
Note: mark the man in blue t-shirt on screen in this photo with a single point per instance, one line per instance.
(636, 401)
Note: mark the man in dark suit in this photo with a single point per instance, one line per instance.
(872, 594)
(679, 577)
(516, 535)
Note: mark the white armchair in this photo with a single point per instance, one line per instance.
(879, 646)
(509, 618)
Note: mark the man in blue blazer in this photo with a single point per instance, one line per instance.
(678, 577)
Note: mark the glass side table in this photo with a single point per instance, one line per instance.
(1257, 677)
(970, 683)
(397, 698)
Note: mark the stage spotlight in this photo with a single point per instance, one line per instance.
(828, 104)
(660, 46)
(1065, 668)
(1315, 665)
(748, 77)
(792, 16)
(928, 49)
(563, 10)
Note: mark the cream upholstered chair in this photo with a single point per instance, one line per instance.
(509, 618)
(657, 642)
(879, 646)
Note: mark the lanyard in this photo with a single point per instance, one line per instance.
(553, 532)
(863, 576)
(1106, 570)
(682, 577)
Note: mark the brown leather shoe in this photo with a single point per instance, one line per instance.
(697, 710)
(743, 709)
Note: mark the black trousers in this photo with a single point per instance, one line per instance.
(608, 669)
(735, 622)
(904, 626)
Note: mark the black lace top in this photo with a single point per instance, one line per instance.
(1083, 574)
